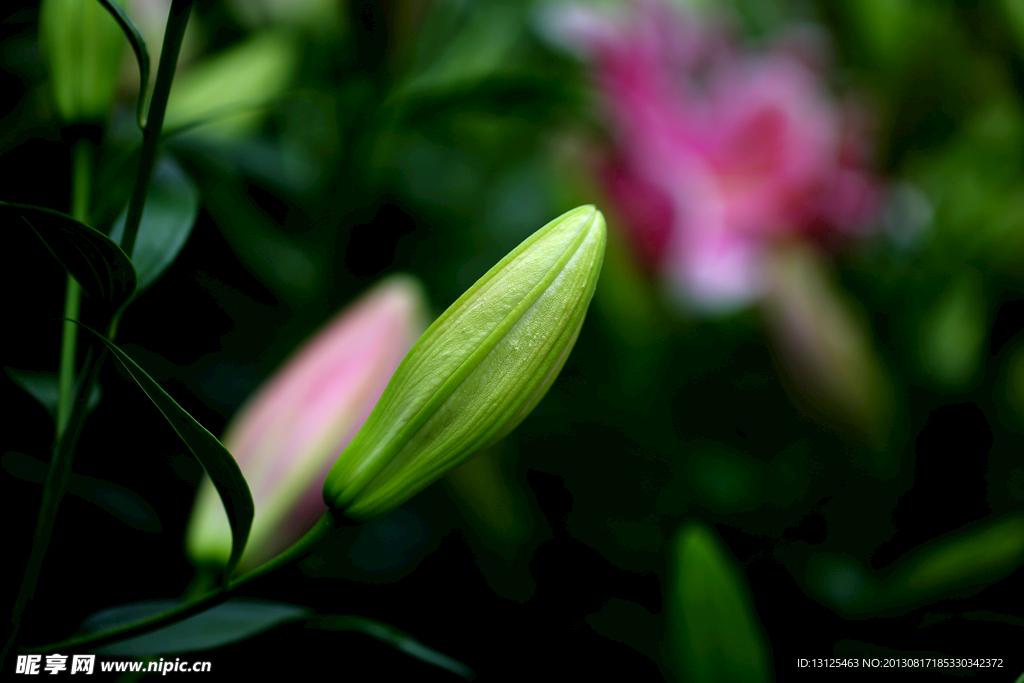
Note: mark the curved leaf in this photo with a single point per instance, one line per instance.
(101, 268)
(216, 460)
(172, 203)
(400, 640)
(227, 623)
(138, 44)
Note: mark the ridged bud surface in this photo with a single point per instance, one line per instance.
(478, 371)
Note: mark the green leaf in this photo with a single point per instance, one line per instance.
(271, 255)
(122, 503)
(713, 631)
(42, 386)
(231, 621)
(484, 46)
(967, 560)
(216, 460)
(392, 636)
(958, 564)
(101, 268)
(138, 44)
(172, 203)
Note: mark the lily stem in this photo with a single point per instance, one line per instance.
(53, 491)
(81, 189)
(56, 479)
(60, 464)
(177, 20)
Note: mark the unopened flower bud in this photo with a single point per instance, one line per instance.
(478, 371)
(81, 44)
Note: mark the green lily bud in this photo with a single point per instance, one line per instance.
(82, 46)
(478, 371)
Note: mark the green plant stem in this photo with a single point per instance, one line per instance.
(81, 189)
(200, 603)
(60, 464)
(68, 352)
(53, 490)
(68, 409)
(177, 20)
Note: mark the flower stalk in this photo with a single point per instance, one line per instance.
(60, 465)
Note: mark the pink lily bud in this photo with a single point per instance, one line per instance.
(825, 345)
(287, 436)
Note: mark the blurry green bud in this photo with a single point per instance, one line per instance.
(231, 88)
(953, 332)
(82, 45)
(477, 371)
(713, 630)
(826, 346)
(320, 16)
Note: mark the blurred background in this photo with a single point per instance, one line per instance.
(807, 342)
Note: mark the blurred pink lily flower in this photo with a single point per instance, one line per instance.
(725, 166)
(289, 433)
(718, 155)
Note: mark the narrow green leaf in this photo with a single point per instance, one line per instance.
(955, 565)
(964, 560)
(122, 503)
(42, 386)
(172, 203)
(216, 460)
(101, 268)
(141, 54)
(392, 636)
(230, 622)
